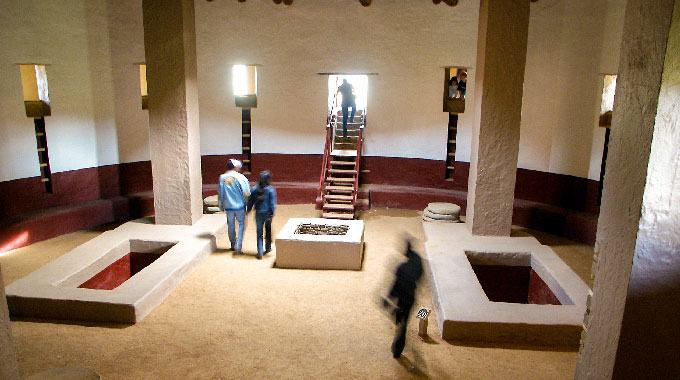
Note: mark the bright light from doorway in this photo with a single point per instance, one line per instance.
(360, 84)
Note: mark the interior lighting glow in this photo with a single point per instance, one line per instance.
(18, 241)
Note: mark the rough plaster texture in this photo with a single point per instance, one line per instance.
(647, 338)
(320, 251)
(170, 48)
(501, 55)
(52, 291)
(9, 368)
(646, 31)
(464, 312)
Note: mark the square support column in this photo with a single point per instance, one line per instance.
(9, 368)
(622, 237)
(499, 82)
(170, 49)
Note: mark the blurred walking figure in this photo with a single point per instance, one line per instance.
(404, 290)
(348, 100)
(263, 198)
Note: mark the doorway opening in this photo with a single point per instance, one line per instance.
(360, 86)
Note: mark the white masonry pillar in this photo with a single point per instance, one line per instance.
(632, 235)
(9, 369)
(499, 82)
(170, 49)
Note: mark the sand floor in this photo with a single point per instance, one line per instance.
(236, 317)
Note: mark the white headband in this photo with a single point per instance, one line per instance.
(236, 163)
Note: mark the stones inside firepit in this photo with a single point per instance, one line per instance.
(321, 229)
(442, 212)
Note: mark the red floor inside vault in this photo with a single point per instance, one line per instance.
(120, 271)
(514, 284)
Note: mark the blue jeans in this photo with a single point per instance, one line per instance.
(240, 216)
(345, 108)
(263, 221)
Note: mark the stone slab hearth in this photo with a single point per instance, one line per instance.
(307, 251)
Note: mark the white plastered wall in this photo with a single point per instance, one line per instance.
(406, 43)
(92, 48)
(571, 44)
(76, 40)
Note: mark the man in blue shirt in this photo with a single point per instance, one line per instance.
(233, 191)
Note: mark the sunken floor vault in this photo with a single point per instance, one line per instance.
(502, 289)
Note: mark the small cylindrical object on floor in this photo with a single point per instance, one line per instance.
(423, 313)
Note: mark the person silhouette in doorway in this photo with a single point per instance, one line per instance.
(348, 100)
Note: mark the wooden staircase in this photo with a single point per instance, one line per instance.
(339, 182)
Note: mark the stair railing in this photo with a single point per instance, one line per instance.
(326, 155)
(358, 159)
(330, 137)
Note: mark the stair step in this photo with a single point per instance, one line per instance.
(338, 206)
(344, 152)
(337, 215)
(342, 189)
(342, 171)
(357, 113)
(348, 139)
(348, 163)
(337, 197)
(336, 179)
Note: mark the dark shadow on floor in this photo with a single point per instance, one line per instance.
(72, 323)
(512, 346)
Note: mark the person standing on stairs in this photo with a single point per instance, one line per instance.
(348, 100)
(263, 198)
(233, 191)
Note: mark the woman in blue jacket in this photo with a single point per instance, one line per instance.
(263, 198)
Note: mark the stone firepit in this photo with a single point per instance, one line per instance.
(316, 243)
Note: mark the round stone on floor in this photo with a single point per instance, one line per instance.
(211, 201)
(432, 215)
(444, 208)
(428, 219)
(66, 373)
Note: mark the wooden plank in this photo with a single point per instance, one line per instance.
(336, 215)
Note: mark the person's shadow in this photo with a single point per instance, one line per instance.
(411, 367)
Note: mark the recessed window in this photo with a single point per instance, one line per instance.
(37, 104)
(245, 85)
(36, 94)
(607, 104)
(142, 87)
(455, 92)
(605, 121)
